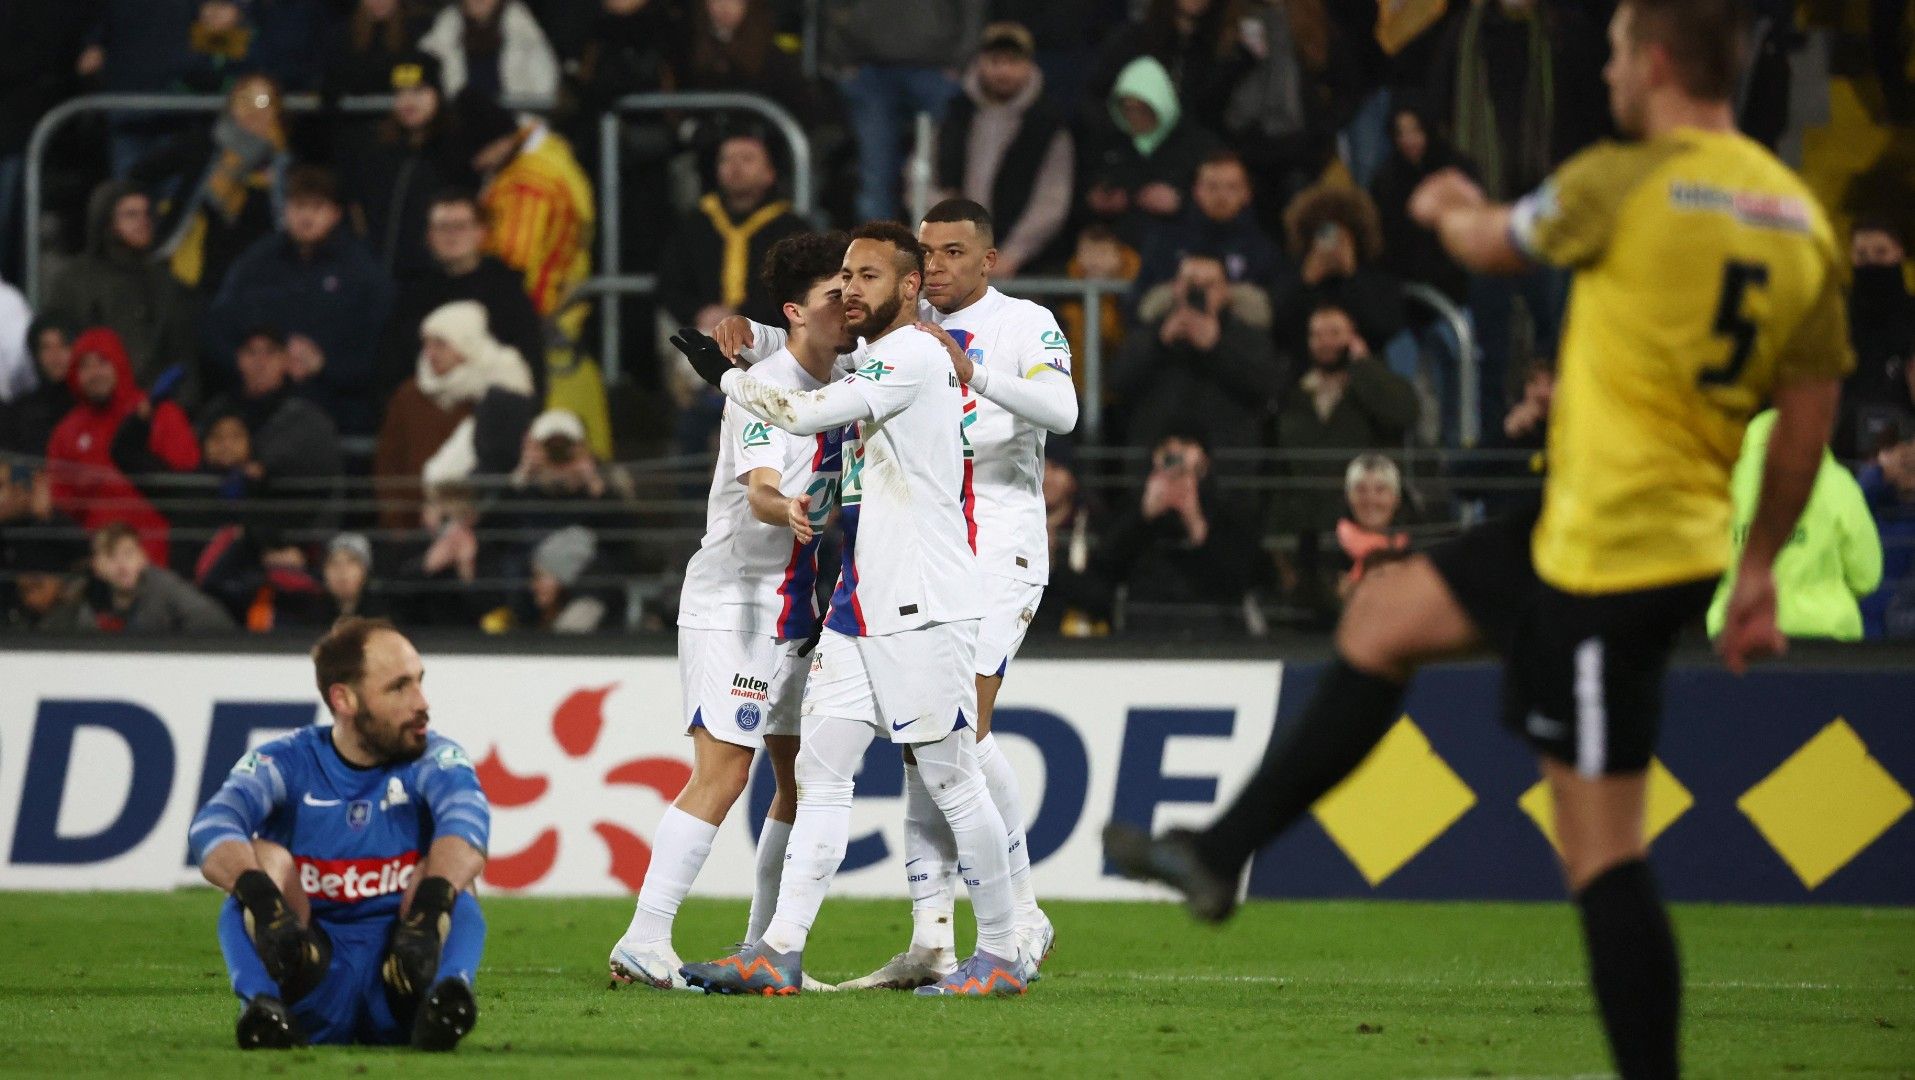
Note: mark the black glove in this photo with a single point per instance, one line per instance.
(412, 955)
(810, 643)
(706, 357)
(295, 956)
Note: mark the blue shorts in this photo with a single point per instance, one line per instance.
(349, 1004)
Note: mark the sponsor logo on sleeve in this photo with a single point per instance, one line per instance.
(756, 433)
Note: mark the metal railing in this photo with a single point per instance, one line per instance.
(803, 183)
(1469, 420)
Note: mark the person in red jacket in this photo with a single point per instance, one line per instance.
(115, 431)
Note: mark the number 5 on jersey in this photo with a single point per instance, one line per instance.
(1732, 321)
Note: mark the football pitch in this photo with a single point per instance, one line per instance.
(131, 985)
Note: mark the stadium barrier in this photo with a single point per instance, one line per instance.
(1789, 785)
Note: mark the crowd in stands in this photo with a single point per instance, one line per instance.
(288, 361)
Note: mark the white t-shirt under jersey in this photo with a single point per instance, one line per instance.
(908, 556)
(748, 575)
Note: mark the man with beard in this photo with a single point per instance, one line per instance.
(1707, 282)
(901, 637)
(349, 851)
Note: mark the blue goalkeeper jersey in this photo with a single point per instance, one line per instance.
(357, 834)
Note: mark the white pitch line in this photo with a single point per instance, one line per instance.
(1461, 982)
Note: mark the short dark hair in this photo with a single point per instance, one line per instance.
(910, 257)
(458, 196)
(340, 656)
(1876, 224)
(1706, 39)
(800, 261)
(312, 182)
(1331, 306)
(268, 331)
(1223, 157)
(955, 210)
(112, 535)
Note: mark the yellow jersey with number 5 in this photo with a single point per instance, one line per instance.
(1705, 275)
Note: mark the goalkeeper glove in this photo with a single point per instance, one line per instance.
(412, 955)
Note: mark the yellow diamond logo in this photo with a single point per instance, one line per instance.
(1394, 805)
(1668, 800)
(1826, 803)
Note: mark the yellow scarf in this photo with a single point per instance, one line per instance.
(734, 273)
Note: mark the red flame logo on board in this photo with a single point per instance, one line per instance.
(576, 725)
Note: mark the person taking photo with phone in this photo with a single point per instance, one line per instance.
(1202, 360)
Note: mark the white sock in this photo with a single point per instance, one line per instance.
(950, 772)
(771, 867)
(1001, 779)
(679, 849)
(827, 762)
(930, 853)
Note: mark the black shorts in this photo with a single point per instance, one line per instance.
(1582, 674)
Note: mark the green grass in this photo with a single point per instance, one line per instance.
(131, 985)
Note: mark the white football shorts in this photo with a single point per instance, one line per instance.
(914, 687)
(740, 686)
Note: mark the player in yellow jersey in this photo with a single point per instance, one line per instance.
(1706, 286)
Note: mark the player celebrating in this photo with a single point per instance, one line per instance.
(1011, 354)
(1706, 284)
(337, 930)
(748, 615)
(898, 644)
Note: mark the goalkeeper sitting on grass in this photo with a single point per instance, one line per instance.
(350, 849)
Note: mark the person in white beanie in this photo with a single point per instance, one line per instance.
(463, 366)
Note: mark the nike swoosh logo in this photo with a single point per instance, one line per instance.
(895, 726)
(310, 801)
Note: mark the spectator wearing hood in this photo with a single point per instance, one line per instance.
(226, 184)
(1219, 221)
(391, 172)
(537, 198)
(1006, 144)
(464, 412)
(348, 578)
(496, 47)
(129, 594)
(1137, 167)
(115, 430)
(1411, 251)
(295, 445)
(27, 419)
(456, 236)
(316, 282)
(1198, 43)
(116, 284)
(558, 606)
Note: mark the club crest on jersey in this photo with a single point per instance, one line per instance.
(747, 686)
(395, 794)
(748, 716)
(359, 813)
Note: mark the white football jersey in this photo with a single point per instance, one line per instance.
(909, 555)
(748, 575)
(1015, 339)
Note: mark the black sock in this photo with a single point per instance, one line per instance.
(1346, 717)
(1633, 964)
